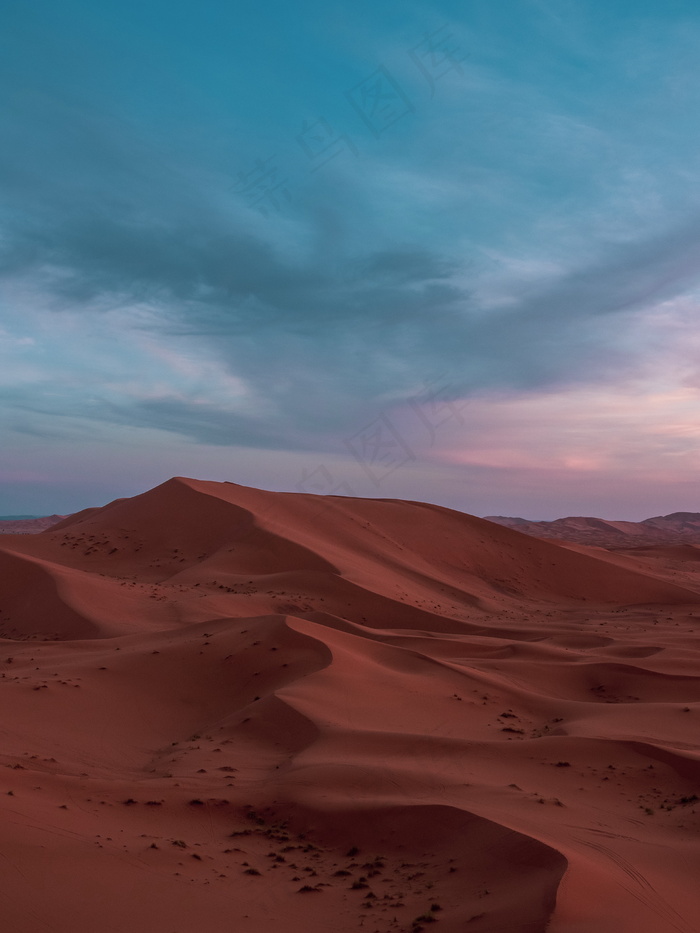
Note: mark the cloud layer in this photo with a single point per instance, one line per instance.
(230, 250)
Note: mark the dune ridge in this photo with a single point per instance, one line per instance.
(258, 710)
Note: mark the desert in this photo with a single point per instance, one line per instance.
(349, 457)
(232, 709)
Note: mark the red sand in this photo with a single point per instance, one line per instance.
(233, 710)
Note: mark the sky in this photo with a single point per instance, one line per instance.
(445, 252)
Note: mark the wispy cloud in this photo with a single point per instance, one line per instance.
(514, 232)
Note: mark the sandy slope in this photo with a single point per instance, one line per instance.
(232, 710)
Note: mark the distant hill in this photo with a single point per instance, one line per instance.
(663, 529)
(27, 524)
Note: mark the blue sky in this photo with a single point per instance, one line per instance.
(445, 252)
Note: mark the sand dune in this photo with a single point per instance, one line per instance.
(230, 709)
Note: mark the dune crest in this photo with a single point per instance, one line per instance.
(263, 711)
